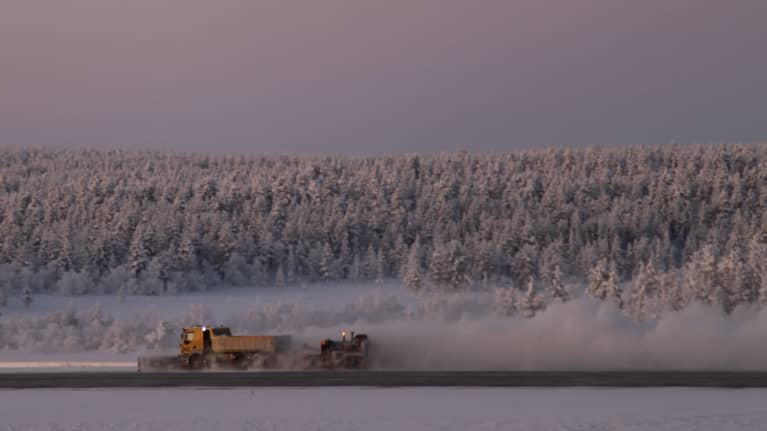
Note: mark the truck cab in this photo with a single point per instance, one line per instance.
(196, 341)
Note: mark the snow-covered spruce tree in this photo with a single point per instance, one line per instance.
(597, 280)
(506, 301)
(161, 267)
(412, 276)
(370, 264)
(160, 336)
(236, 270)
(532, 302)
(279, 278)
(355, 271)
(327, 264)
(603, 284)
(484, 263)
(757, 263)
(140, 250)
(290, 273)
(380, 267)
(74, 283)
(449, 266)
(525, 262)
(675, 295)
(733, 286)
(557, 292)
(26, 293)
(701, 276)
(441, 264)
(187, 252)
(763, 294)
(643, 297)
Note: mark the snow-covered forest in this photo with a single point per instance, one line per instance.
(649, 228)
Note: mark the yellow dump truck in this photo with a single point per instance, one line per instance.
(216, 347)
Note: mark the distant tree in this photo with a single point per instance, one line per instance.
(484, 263)
(506, 302)
(603, 284)
(642, 302)
(327, 266)
(237, 272)
(701, 276)
(675, 296)
(158, 337)
(160, 268)
(441, 265)
(356, 269)
(449, 266)
(280, 277)
(412, 277)
(74, 283)
(532, 302)
(370, 263)
(526, 262)
(730, 289)
(139, 252)
(380, 267)
(557, 290)
(290, 276)
(27, 294)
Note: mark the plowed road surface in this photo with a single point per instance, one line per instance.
(382, 378)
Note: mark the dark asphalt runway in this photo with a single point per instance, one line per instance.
(383, 379)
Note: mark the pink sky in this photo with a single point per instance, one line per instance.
(390, 76)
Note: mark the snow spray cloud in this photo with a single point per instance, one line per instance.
(579, 335)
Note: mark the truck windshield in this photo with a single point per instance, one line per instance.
(188, 336)
(221, 331)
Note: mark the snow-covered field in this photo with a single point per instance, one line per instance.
(339, 409)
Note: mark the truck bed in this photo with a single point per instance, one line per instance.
(250, 343)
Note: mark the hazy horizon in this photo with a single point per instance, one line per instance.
(368, 78)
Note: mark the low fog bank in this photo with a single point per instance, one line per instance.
(445, 334)
(579, 335)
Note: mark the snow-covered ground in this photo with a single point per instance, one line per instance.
(52, 364)
(339, 409)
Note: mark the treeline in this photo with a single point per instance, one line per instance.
(77, 222)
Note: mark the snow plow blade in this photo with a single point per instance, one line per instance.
(160, 363)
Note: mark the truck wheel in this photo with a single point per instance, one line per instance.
(270, 362)
(240, 362)
(196, 362)
(257, 362)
